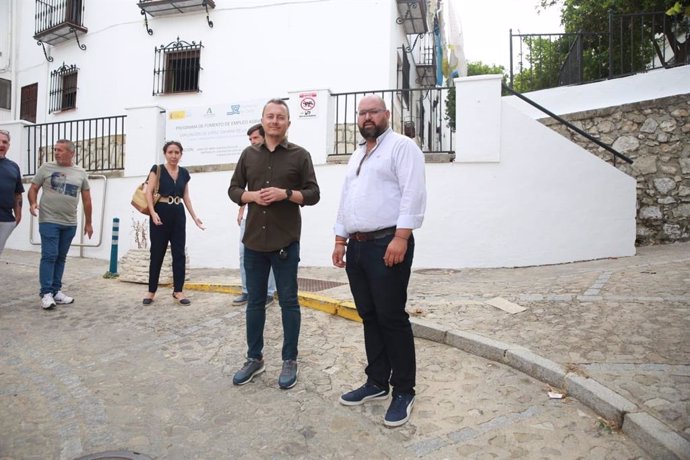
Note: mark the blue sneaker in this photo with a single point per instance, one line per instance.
(288, 375)
(250, 369)
(399, 411)
(366, 392)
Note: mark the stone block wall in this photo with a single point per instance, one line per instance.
(655, 134)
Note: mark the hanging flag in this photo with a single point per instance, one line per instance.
(454, 62)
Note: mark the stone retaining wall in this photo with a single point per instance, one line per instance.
(655, 134)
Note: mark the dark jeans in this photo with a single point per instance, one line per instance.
(257, 265)
(55, 242)
(173, 231)
(380, 294)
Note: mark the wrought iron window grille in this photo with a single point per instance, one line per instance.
(176, 68)
(63, 88)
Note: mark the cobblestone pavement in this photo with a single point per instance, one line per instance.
(107, 373)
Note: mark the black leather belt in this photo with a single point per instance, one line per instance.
(375, 235)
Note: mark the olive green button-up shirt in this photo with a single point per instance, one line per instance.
(289, 166)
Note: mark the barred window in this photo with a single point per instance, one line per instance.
(176, 68)
(63, 88)
(5, 94)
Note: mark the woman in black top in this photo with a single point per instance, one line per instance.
(167, 220)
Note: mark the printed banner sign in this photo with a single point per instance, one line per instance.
(214, 134)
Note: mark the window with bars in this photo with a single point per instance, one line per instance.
(63, 88)
(176, 68)
(5, 94)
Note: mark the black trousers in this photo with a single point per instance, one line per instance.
(380, 294)
(172, 231)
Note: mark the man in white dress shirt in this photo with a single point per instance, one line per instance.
(383, 200)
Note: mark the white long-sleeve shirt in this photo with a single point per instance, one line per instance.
(390, 190)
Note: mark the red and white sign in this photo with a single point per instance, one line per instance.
(307, 105)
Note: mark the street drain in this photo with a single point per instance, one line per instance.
(314, 285)
(116, 455)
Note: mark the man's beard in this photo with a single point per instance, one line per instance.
(370, 132)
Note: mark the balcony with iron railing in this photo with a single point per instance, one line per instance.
(412, 16)
(57, 21)
(424, 57)
(155, 8)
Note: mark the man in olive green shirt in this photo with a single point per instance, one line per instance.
(274, 179)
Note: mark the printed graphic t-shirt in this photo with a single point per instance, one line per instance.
(62, 186)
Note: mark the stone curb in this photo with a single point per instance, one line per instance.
(657, 439)
(650, 434)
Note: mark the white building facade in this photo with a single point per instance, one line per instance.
(255, 49)
(516, 194)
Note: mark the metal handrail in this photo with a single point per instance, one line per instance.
(99, 142)
(616, 154)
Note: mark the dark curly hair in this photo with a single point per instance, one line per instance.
(169, 143)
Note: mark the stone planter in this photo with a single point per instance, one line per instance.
(134, 267)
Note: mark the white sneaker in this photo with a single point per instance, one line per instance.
(62, 299)
(47, 301)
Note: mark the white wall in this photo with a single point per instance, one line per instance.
(545, 201)
(540, 200)
(654, 84)
(529, 210)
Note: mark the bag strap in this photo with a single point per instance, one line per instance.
(158, 178)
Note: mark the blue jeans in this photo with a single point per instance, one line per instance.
(55, 242)
(380, 294)
(243, 272)
(258, 265)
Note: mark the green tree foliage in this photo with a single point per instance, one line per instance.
(592, 15)
(479, 68)
(633, 40)
(473, 68)
(543, 62)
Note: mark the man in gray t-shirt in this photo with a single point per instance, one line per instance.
(62, 183)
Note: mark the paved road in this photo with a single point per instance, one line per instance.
(106, 373)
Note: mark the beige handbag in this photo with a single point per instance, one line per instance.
(139, 197)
